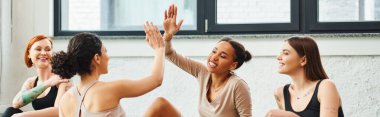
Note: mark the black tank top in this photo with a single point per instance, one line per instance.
(312, 109)
(47, 101)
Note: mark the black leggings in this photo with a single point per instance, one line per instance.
(10, 111)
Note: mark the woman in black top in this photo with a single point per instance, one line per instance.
(42, 91)
(311, 94)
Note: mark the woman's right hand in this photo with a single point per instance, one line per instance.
(170, 22)
(55, 80)
(153, 36)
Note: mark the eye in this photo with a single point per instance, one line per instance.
(47, 49)
(223, 56)
(213, 51)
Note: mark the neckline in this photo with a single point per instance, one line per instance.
(49, 93)
(315, 92)
(220, 90)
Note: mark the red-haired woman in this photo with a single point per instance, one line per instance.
(43, 90)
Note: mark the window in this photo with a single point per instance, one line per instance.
(126, 17)
(252, 16)
(118, 17)
(344, 15)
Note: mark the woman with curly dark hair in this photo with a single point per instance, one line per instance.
(87, 56)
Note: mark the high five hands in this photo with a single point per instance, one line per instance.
(170, 22)
(153, 36)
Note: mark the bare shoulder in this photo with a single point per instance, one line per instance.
(31, 79)
(29, 82)
(67, 103)
(326, 86)
(327, 90)
(279, 92)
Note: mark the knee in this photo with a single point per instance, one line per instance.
(160, 102)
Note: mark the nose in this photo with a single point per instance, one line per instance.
(214, 57)
(279, 57)
(43, 52)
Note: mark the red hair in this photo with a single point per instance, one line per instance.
(33, 40)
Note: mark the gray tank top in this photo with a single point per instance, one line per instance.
(81, 109)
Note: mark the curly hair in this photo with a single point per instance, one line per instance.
(80, 51)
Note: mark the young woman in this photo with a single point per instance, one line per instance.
(311, 94)
(87, 56)
(44, 90)
(222, 93)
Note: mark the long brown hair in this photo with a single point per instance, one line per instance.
(306, 46)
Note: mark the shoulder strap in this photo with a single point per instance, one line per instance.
(35, 82)
(315, 96)
(80, 98)
(288, 107)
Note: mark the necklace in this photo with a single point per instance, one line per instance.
(304, 95)
(300, 96)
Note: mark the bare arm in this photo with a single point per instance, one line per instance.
(279, 96)
(62, 88)
(17, 101)
(329, 99)
(27, 94)
(133, 88)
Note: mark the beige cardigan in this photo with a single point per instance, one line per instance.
(234, 99)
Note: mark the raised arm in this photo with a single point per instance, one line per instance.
(133, 88)
(27, 93)
(171, 28)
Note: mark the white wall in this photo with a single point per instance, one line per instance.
(21, 20)
(351, 60)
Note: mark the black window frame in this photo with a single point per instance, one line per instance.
(304, 20)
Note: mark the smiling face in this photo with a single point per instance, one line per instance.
(40, 53)
(221, 59)
(289, 60)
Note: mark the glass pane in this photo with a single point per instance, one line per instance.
(123, 15)
(348, 10)
(253, 11)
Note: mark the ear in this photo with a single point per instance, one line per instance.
(96, 59)
(233, 65)
(303, 61)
